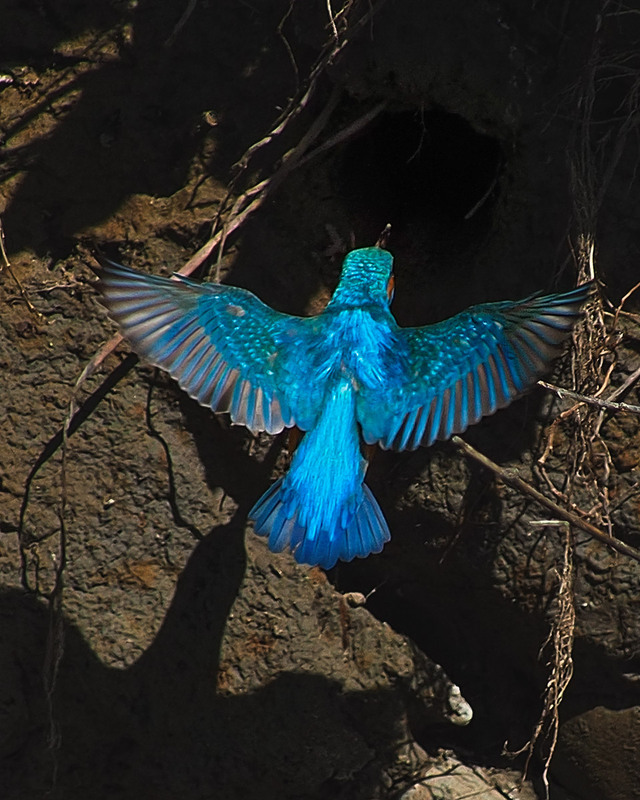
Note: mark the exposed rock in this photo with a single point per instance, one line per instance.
(599, 754)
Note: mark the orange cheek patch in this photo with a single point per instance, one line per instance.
(391, 287)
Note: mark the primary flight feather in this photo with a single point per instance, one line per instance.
(347, 377)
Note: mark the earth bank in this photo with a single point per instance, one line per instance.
(194, 663)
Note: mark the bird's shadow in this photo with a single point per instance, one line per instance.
(434, 580)
(162, 728)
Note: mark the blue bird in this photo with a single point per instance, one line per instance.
(347, 378)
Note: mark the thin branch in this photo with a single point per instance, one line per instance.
(560, 643)
(285, 41)
(562, 513)
(345, 134)
(591, 401)
(181, 23)
(328, 55)
(334, 29)
(6, 263)
(626, 385)
(485, 196)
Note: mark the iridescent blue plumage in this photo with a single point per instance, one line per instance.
(346, 377)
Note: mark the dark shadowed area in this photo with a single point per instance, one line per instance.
(182, 659)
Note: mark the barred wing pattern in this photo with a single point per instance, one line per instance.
(221, 343)
(467, 367)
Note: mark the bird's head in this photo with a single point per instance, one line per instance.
(366, 278)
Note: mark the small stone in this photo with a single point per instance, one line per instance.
(355, 599)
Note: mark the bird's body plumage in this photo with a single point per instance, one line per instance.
(347, 377)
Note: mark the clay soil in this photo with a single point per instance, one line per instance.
(150, 644)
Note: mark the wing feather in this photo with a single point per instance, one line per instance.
(466, 367)
(226, 348)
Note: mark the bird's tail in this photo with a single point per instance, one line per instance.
(358, 530)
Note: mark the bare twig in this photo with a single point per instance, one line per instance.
(285, 41)
(346, 133)
(90, 368)
(298, 104)
(6, 263)
(290, 161)
(560, 663)
(477, 206)
(181, 23)
(593, 401)
(621, 304)
(332, 21)
(562, 513)
(72, 284)
(626, 385)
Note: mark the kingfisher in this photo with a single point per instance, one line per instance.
(347, 379)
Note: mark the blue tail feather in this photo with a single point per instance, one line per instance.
(355, 533)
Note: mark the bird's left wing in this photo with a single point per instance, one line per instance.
(225, 348)
(457, 371)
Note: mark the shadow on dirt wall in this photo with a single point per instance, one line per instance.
(160, 729)
(138, 119)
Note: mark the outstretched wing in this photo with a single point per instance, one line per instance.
(459, 370)
(223, 345)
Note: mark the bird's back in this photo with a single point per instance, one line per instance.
(357, 343)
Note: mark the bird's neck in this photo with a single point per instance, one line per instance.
(348, 297)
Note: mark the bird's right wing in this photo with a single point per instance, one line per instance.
(226, 348)
(459, 370)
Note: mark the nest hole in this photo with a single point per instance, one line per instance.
(430, 174)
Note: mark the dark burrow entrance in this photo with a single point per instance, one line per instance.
(428, 173)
